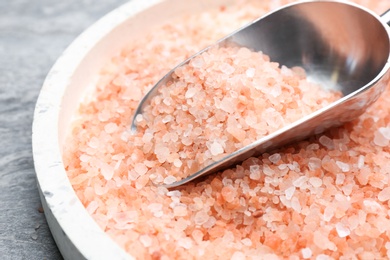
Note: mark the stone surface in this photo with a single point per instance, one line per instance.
(33, 33)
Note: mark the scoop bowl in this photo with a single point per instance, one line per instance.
(341, 46)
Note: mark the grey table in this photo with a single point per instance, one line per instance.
(33, 33)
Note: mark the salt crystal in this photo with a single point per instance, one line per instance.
(385, 131)
(107, 171)
(228, 237)
(197, 235)
(147, 137)
(322, 241)
(314, 163)
(371, 206)
(315, 181)
(250, 73)
(174, 193)
(344, 167)
(347, 189)
(238, 256)
(313, 147)
(289, 192)
(360, 163)
(156, 209)
(282, 166)
(276, 157)
(300, 181)
(169, 179)
(226, 68)
(85, 158)
(286, 71)
(146, 240)
(216, 148)
(92, 207)
(380, 139)
(94, 143)
(276, 91)
(201, 217)
(168, 101)
(140, 168)
(185, 242)
(191, 92)
(342, 230)
(162, 153)
(384, 195)
(180, 210)
(226, 105)
(104, 115)
(306, 253)
(132, 175)
(327, 142)
(255, 173)
(323, 257)
(296, 205)
(340, 177)
(328, 213)
(167, 119)
(210, 222)
(110, 128)
(246, 242)
(197, 62)
(267, 170)
(177, 163)
(139, 118)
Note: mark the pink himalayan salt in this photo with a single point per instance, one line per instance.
(384, 195)
(219, 93)
(306, 253)
(120, 205)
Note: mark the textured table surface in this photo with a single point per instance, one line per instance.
(33, 33)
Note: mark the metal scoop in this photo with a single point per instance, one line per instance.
(342, 46)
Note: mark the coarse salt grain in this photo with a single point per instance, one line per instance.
(382, 137)
(110, 128)
(216, 148)
(300, 181)
(185, 243)
(201, 217)
(340, 177)
(329, 213)
(170, 179)
(384, 195)
(255, 173)
(238, 256)
(140, 168)
(306, 253)
(146, 240)
(275, 158)
(327, 142)
(344, 167)
(289, 192)
(342, 230)
(246, 242)
(315, 181)
(250, 73)
(191, 92)
(323, 257)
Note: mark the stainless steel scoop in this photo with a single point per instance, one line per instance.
(341, 45)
